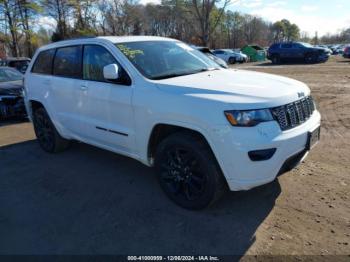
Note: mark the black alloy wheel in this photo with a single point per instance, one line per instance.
(188, 171)
(48, 137)
(310, 58)
(182, 174)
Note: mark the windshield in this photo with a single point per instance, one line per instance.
(229, 51)
(164, 59)
(9, 74)
(306, 44)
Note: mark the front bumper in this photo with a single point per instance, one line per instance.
(241, 59)
(232, 144)
(323, 57)
(12, 107)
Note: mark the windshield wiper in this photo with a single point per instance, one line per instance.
(183, 74)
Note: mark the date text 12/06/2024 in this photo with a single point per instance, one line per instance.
(173, 258)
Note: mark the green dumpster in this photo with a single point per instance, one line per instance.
(254, 52)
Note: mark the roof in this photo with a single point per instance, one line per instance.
(16, 59)
(110, 39)
(122, 39)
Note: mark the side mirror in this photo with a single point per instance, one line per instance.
(111, 72)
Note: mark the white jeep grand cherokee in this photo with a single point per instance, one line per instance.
(158, 100)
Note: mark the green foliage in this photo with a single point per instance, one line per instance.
(284, 30)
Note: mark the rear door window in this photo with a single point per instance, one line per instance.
(286, 45)
(67, 62)
(43, 63)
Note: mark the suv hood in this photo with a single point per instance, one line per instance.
(319, 49)
(240, 88)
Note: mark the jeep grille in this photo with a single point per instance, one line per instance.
(293, 114)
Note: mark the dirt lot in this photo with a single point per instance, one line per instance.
(89, 201)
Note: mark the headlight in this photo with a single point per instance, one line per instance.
(314, 102)
(248, 117)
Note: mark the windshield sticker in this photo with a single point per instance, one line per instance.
(128, 52)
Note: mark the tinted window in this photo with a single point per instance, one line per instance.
(68, 62)
(95, 58)
(43, 63)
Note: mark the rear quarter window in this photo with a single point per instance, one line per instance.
(67, 62)
(43, 62)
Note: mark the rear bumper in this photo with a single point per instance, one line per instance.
(232, 145)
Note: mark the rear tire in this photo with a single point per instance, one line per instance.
(48, 137)
(275, 59)
(188, 172)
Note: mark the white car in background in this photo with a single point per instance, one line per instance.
(204, 128)
(230, 56)
(324, 47)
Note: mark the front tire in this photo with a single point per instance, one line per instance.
(310, 58)
(188, 172)
(232, 60)
(48, 137)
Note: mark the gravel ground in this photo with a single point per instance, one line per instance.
(90, 201)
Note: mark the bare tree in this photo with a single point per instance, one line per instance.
(203, 10)
(85, 16)
(60, 10)
(116, 17)
(28, 10)
(10, 9)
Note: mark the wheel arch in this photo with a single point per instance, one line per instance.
(162, 130)
(33, 105)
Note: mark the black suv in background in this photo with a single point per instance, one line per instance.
(346, 53)
(296, 52)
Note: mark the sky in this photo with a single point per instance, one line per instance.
(323, 16)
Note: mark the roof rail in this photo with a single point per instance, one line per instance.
(76, 38)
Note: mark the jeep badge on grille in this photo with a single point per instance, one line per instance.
(301, 94)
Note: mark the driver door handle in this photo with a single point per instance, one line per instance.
(83, 87)
(46, 82)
